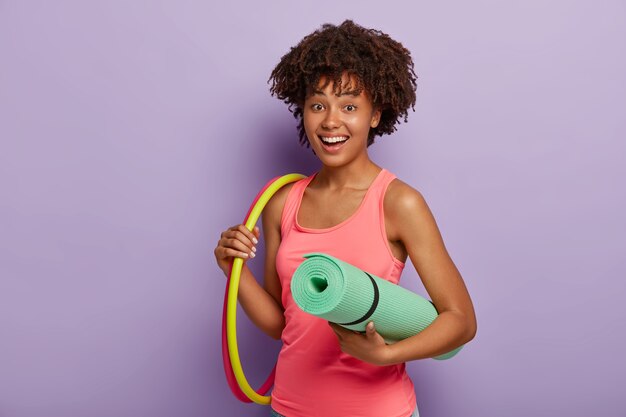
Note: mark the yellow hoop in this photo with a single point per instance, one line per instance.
(233, 289)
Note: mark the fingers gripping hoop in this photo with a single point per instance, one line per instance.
(230, 352)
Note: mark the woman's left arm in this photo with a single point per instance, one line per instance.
(410, 223)
(410, 220)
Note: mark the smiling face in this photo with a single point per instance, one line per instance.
(337, 124)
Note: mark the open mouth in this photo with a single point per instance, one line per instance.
(333, 142)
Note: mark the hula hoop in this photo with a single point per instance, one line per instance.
(228, 369)
(230, 352)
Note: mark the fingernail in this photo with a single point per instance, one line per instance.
(254, 249)
(252, 255)
(254, 240)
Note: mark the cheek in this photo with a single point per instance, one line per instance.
(307, 122)
(311, 119)
(310, 125)
(358, 123)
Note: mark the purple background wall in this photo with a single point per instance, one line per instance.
(132, 133)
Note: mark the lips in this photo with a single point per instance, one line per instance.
(332, 144)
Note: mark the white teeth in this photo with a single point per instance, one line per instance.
(333, 139)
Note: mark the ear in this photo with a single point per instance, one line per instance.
(375, 118)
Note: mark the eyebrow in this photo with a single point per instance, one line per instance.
(353, 93)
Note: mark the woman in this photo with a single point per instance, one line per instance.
(346, 85)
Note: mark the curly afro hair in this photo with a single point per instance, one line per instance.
(380, 65)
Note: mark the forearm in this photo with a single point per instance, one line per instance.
(447, 332)
(259, 305)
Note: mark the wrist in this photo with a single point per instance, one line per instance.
(390, 355)
(225, 270)
(383, 356)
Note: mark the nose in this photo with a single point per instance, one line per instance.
(331, 120)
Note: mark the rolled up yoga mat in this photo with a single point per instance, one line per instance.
(341, 293)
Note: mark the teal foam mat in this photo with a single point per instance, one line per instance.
(341, 293)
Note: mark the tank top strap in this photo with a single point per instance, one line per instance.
(371, 210)
(379, 186)
(292, 202)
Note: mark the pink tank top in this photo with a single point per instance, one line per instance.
(313, 376)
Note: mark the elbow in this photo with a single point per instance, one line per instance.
(276, 332)
(276, 335)
(465, 324)
(471, 329)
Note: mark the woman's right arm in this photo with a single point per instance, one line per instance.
(262, 304)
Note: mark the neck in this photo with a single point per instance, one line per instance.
(357, 175)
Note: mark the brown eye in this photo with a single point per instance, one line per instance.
(350, 107)
(317, 107)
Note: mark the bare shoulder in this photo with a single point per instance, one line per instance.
(273, 210)
(403, 206)
(401, 199)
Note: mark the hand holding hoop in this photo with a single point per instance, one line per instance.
(230, 352)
